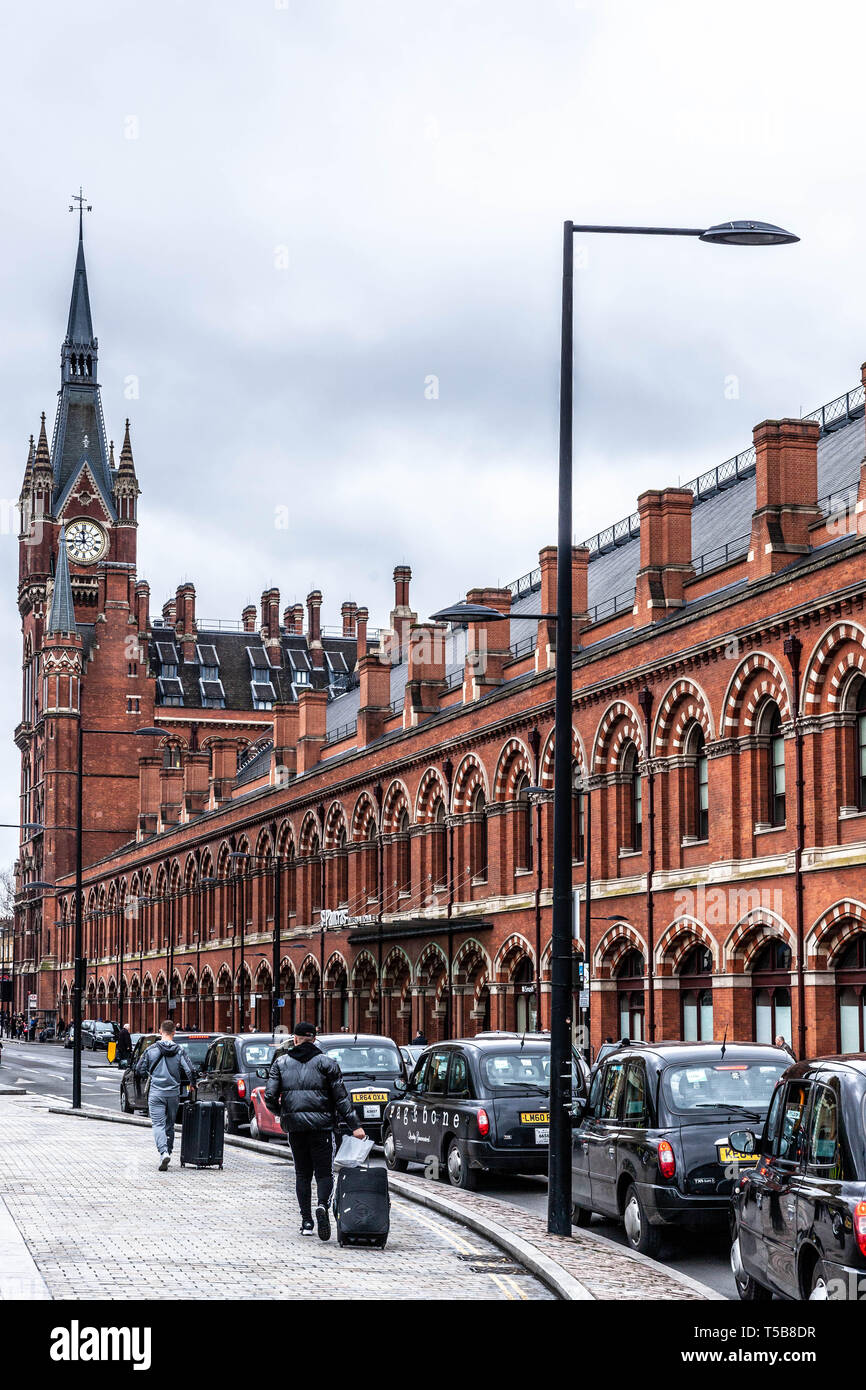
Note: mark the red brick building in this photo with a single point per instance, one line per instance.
(403, 777)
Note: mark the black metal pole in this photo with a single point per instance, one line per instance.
(170, 998)
(645, 700)
(79, 964)
(275, 948)
(587, 913)
(559, 1181)
(242, 895)
(793, 648)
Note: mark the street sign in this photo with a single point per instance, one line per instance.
(281, 1003)
(32, 1001)
(584, 998)
(339, 917)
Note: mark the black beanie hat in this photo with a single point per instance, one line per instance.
(304, 1030)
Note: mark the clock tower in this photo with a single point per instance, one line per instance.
(84, 658)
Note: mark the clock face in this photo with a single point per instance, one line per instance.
(85, 541)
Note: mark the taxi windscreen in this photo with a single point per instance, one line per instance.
(195, 1048)
(259, 1054)
(727, 1085)
(520, 1069)
(376, 1058)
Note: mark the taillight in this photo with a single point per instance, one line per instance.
(483, 1123)
(860, 1226)
(667, 1159)
(242, 1088)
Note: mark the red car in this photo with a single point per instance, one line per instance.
(263, 1123)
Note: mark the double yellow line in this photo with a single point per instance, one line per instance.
(504, 1282)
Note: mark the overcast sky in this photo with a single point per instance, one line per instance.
(304, 211)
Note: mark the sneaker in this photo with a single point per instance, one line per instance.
(164, 1161)
(323, 1222)
(307, 1228)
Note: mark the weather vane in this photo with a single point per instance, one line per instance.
(83, 206)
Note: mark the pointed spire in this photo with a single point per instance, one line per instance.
(42, 458)
(126, 460)
(111, 462)
(79, 328)
(31, 455)
(62, 615)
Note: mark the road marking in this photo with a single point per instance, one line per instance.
(456, 1241)
(500, 1284)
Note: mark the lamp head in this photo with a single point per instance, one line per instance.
(748, 234)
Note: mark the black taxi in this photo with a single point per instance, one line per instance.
(134, 1089)
(799, 1223)
(475, 1105)
(373, 1068)
(652, 1146)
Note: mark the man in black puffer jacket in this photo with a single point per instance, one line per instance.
(306, 1088)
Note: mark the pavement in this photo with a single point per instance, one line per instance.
(84, 1213)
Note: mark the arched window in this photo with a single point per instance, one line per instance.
(523, 857)
(314, 869)
(342, 867)
(633, 825)
(696, 995)
(851, 996)
(371, 862)
(630, 996)
(439, 846)
(771, 992)
(525, 998)
(860, 746)
(698, 801)
(771, 729)
(478, 834)
(404, 855)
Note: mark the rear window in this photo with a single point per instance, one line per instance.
(380, 1058)
(195, 1048)
(257, 1054)
(727, 1085)
(514, 1068)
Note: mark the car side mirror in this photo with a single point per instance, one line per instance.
(400, 1085)
(742, 1141)
(578, 1107)
(263, 1072)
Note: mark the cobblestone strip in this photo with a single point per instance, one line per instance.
(99, 1221)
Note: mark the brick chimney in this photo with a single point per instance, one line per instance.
(312, 727)
(545, 652)
(314, 629)
(786, 493)
(270, 625)
(223, 770)
(488, 644)
(170, 796)
(142, 606)
(248, 618)
(348, 613)
(374, 705)
(362, 616)
(665, 553)
(148, 794)
(196, 770)
(402, 616)
(185, 628)
(284, 758)
(169, 612)
(425, 681)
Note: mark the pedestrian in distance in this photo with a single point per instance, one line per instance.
(419, 1039)
(786, 1046)
(124, 1046)
(169, 1069)
(306, 1088)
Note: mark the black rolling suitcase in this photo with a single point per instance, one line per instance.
(362, 1206)
(201, 1138)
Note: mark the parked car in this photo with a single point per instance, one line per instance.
(264, 1124)
(69, 1037)
(475, 1105)
(232, 1070)
(373, 1070)
(410, 1053)
(651, 1146)
(96, 1034)
(134, 1089)
(799, 1215)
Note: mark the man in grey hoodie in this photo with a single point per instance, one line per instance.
(169, 1068)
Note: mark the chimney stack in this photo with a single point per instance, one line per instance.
(545, 651)
(270, 627)
(348, 612)
(361, 618)
(425, 679)
(402, 616)
(169, 612)
(489, 644)
(142, 606)
(185, 628)
(248, 617)
(786, 493)
(665, 553)
(314, 631)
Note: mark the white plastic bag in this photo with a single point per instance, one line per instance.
(353, 1152)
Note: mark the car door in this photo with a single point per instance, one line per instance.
(141, 1084)
(404, 1117)
(781, 1177)
(461, 1104)
(823, 1216)
(603, 1135)
(227, 1068)
(580, 1188)
(433, 1106)
(206, 1084)
(632, 1146)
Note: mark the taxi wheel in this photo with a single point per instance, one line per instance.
(124, 1102)
(580, 1216)
(640, 1235)
(228, 1123)
(748, 1289)
(458, 1170)
(392, 1162)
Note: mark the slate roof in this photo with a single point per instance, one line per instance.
(61, 618)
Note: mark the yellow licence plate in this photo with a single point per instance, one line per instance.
(727, 1155)
(535, 1117)
(369, 1096)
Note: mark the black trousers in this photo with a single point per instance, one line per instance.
(313, 1152)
